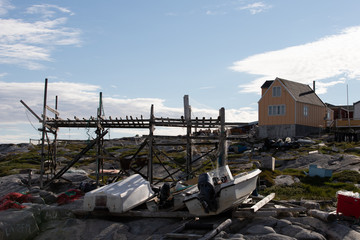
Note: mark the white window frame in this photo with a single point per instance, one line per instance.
(306, 111)
(277, 110)
(276, 91)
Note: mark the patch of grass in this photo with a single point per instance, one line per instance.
(268, 177)
(300, 191)
(295, 191)
(235, 155)
(75, 147)
(294, 172)
(346, 176)
(315, 188)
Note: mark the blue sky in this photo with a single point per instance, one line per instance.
(145, 52)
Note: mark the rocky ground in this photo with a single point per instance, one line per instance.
(44, 218)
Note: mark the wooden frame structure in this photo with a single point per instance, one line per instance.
(51, 125)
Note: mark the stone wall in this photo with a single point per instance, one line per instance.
(287, 130)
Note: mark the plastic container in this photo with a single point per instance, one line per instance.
(348, 205)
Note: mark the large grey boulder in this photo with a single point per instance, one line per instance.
(309, 235)
(286, 180)
(291, 230)
(49, 213)
(77, 229)
(259, 230)
(270, 236)
(312, 223)
(12, 183)
(17, 225)
(338, 231)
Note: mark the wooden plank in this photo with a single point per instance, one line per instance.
(183, 235)
(52, 110)
(261, 203)
(214, 232)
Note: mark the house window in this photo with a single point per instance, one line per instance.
(328, 115)
(276, 91)
(276, 110)
(306, 111)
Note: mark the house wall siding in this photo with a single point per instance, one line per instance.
(316, 115)
(268, 100)
(357, 110)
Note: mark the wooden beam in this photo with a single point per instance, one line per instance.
(183, 235)
(32, 112)
(217, 230)
(77, 158)
(261, 203)
(52, 110)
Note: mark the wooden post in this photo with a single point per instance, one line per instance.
(151, 148)
(53, 167)
(43, 135)
(222, 139)
(187, 114)
(99, 131)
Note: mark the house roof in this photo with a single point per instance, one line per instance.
(345, 107)
(300, 92)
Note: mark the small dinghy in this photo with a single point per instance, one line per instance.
(220, 191)
(120, 196)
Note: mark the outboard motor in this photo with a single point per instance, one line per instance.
(207, 193)
(165, 202)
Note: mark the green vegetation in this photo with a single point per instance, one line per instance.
(308, 191)
(346, 176)
(13, 163)
(316, 188)
(308, 188)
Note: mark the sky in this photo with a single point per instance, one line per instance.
(141, 52)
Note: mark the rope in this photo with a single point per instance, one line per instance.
(27, 116)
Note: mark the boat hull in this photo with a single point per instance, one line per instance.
(120, 196)
(231, 194)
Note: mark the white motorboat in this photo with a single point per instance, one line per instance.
(120, 196)
(220, 191)
(171, 199)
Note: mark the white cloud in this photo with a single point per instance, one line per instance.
(47, 10)
(3, 75)
(322, 60)
(5, 6)
(209, 12)
(27, 43)
(255, 8)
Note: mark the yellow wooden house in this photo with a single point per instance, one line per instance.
(289, 109)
